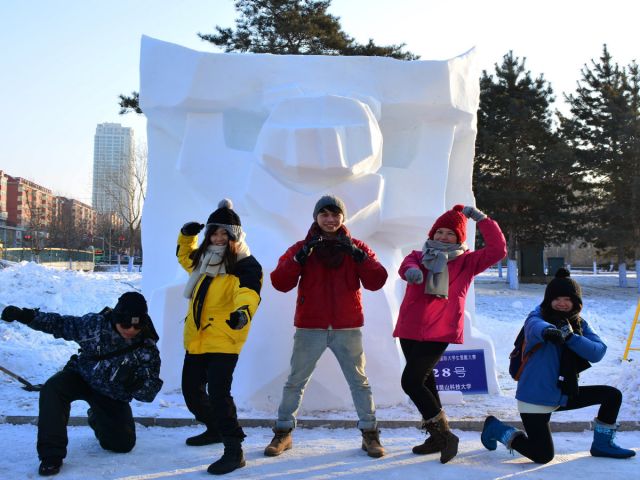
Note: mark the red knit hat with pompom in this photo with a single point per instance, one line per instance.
(454, 220)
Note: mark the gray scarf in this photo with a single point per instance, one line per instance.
(212, 264)
(435, 256)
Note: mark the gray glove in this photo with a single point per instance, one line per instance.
(567, 330)
(413, 275)
(473, 213)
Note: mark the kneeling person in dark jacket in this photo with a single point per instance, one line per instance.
(118, 361)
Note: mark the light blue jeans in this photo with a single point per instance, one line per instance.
(308, 346)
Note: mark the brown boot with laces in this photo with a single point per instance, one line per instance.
(371, 443)
(282, 441)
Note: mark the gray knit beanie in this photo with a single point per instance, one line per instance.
(329, 201)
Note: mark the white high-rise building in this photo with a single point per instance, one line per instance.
(113, 157)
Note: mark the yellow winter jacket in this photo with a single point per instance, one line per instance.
(214, 298)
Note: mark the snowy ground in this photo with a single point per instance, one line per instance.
(319, 453)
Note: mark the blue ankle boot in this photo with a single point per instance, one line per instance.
(495, 431)
(603, 444)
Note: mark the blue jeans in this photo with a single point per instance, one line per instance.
(308, 346)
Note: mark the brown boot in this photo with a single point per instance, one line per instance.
(438, 427)
(281, 441)
(432, 444)
(371, 443)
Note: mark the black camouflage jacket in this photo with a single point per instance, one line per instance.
(97, 337)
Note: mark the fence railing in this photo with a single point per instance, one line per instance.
(47, 255)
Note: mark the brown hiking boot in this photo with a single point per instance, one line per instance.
(438, 428)
(371, 443)
(282, 440)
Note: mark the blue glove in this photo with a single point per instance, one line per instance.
(473, 213)
(413, 275)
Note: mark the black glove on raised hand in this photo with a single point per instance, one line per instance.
(191, 228)
(238, 319)
(23, 315)
(473, 213)
(553, 335)
(566, 329)
(347, 245)
(306, 249)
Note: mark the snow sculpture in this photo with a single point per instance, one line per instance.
(274, 133)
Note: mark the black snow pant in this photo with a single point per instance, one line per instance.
(537, 445)
(111, 420)
(418, 380)
(212, 372)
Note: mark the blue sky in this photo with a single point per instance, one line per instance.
(64, 63)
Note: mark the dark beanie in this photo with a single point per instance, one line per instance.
(454, 220)
(329, 201)
(563, 286)
(226, 218)
(132, 303)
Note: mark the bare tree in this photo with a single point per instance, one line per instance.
(127, 191)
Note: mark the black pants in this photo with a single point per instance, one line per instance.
(111, 420)
(418, 380)
(537, 445)
(216, 410)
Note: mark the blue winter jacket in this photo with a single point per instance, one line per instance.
(97, 337)
(538, 382)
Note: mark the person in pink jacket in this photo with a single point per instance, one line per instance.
(432, 312)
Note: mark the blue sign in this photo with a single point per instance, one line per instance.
(463, 371)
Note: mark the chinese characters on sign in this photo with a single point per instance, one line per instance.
(462, 370)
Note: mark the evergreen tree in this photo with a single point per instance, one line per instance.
(522, 169)
(293, 27)
(604, 130)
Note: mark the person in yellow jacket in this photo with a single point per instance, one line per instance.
(224, 293)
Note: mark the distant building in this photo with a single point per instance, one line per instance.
(113, 157)
(29, 205)
(79, 216)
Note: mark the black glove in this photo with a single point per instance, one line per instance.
(346, 244)
(23, 315)
(306, 249)
(238, 319)
(553, 335)
(566, 329)
(126, 375)
(191, 228)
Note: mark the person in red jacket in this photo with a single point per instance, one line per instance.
(328, 267)
(432, 312)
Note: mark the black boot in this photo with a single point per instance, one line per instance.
(207, 437)
(50, 466)
(232, 458)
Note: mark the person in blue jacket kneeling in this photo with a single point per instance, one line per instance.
(563, 344)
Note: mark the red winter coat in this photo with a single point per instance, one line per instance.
(426, 317)
(328, 297)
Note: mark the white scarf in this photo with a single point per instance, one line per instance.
(212, 264)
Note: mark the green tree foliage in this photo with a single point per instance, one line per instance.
(522, 169)
(604, 130)
(294, 27)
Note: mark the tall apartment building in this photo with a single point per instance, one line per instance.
(4, 215)
(29, 204)
(113, 157)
